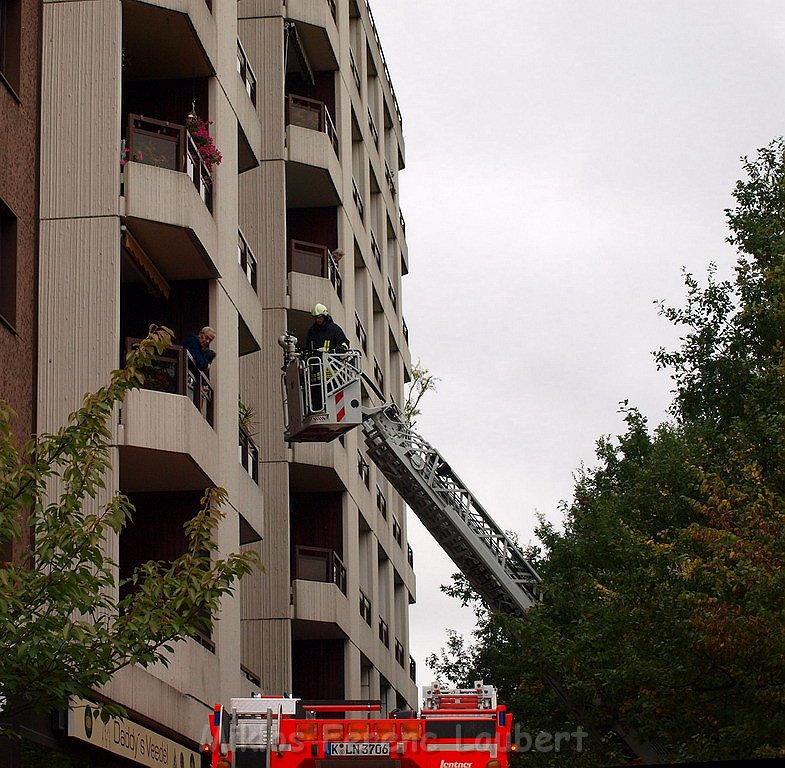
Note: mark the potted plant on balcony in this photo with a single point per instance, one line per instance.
(199, 130)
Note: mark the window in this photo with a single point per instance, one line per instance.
(10, 27)
(7, 263)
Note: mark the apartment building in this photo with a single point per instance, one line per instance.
(330, 616)
(204, 162)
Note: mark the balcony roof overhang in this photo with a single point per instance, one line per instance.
(177, 252)
(149, 50)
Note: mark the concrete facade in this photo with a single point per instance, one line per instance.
(135, 229)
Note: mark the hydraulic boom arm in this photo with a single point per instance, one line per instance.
(491, 562)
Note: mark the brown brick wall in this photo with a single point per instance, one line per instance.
(19, 109)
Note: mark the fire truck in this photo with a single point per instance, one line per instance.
(456, 728)
(322, 395)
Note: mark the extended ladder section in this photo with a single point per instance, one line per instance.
(492, 563)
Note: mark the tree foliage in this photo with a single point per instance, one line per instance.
(423, 381)
(63, 629)
(664, 604)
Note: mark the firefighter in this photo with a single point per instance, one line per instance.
(325, 335)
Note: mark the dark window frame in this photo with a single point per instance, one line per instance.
(8, 259)
(10, 43)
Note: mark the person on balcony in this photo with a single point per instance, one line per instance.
(198, 345)
(325, 335)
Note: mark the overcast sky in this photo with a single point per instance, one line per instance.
(564, 162)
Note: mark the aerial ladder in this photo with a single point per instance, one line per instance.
(490, 560)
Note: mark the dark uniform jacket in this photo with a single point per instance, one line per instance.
(330, 336)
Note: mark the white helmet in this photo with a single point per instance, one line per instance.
(320, 310)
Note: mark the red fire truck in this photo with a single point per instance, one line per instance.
(456, 728)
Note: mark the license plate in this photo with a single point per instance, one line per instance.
(358, 749)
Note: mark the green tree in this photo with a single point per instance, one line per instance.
(663, 601)
(423, 381)
(63, 630)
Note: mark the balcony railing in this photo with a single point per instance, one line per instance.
(384, 632)
(365, 608)
(246, 260)
(381, 502)
(334, 275)
(359, 332)
(389, 179)
(358, 200)
(412, 670)
(399, 652)
(312, 114)
(364, 470)
(397, 532)
(354, 68)
(198, 172)
(384, 63)
(391, 293)
(372, 127)
(248, 455)
(246, 73)
(378, 374)
(167, 145)
(319, 564)
(175, 372)
(377, 254)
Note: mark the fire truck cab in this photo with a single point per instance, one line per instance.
(456, 728)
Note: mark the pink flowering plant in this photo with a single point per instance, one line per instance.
(205, 145)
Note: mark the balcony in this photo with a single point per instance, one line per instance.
(317, 260)
(311, 114)
(378, 374)
(359, 332)
(246, 73)
(377, 254)
(381, 502)
(384, 63)
(319, 564)
(247, 260)
(399, 652)
(391, 294)
(397, 533)
(384, 632)
(167, 145)
(388, 176)
(364, 470)
(249, 455)
(175, 372)
(355, 70)
(410, 555)
(412, 670)
(365, 608)
(358, 200)
(372, 127)
(405, 329)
